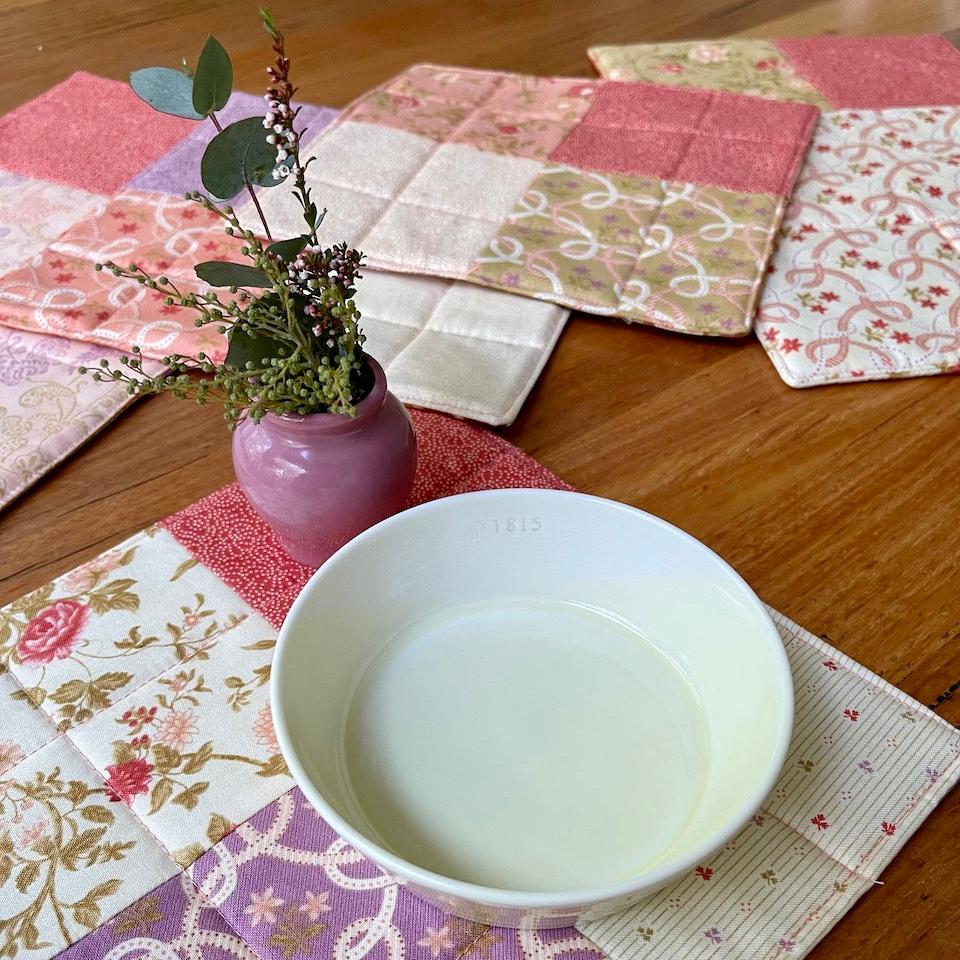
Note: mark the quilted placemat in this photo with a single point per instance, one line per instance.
(47, 409)
(641, 201)
(446, 345)
(865, 282)
(828, 71)
(145, 809)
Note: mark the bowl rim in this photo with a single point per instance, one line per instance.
(523, 899)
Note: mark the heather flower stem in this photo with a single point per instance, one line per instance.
(250, 190)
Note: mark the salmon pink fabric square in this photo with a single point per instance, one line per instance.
(87, 132)
(878, 72)
(699, 136)
(60, 292)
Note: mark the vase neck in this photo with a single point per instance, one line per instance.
(322, 423)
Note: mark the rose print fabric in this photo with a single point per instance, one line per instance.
(399, 172)
(828, 71)
(137, 744)
(865, 283)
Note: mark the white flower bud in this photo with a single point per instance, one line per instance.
(278, 128)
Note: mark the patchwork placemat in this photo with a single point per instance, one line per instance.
(145, 809)
(828, 71)
(47, 409)
(651, 203)
(865, 283)
(447, 345)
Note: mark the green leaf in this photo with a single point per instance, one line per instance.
(165, 758)
(213, 78)
(238, 154)
(161, 793)
(122, 752)
(165, 89)
(221, 273)
(198, 759)
(275, 766)
(187, 564)
(97, 814)
(86, 913)
(243, 347)
(27, 875)
(218, 827)
(106, 889)
(69, 692)
(190, 797)
(287, 250)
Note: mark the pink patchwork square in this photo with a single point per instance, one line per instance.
(425, 82)
(658, 153)
(60, 292)
(88, 132)
(700, 136)
(877, 72)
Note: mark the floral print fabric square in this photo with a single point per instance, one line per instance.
(866, 280)
(674, 255)
(47, 408)
(752, 67)
(60, 292)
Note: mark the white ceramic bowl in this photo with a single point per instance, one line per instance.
(529, 705)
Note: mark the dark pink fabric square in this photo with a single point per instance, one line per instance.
(88, 132)
(650, 153)
(699, 136)
(878, 72)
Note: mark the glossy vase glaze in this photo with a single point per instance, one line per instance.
(320, 480)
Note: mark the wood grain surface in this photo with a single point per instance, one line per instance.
(839, 504)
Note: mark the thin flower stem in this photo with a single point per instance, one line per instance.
(250, 190)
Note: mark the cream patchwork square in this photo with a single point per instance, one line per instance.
(461, 374)
(83, 641)
(203, 736)
(472, 183)
(72, 854)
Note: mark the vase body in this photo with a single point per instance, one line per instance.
(321, 479)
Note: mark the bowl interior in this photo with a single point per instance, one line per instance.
(532, 691)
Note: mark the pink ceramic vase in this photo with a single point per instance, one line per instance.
(320, 480)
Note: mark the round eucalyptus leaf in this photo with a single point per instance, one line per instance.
(165, 89)
(213, 79)
(237, 154)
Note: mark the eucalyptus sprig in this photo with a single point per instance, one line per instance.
(295, 347)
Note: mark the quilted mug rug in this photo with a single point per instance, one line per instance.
(641, 201)
(864, 283)
(146, 812)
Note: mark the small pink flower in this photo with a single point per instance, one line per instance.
(830, 664)
(704, 873)
(50, 635)
(713, 935)
(89, 574)
(852, 715)
(10, 755)
(263, 907)
(888, 828)
(190, 620)
(786, 945)
(436, 941)
(670, 67)
(31, 836)
(177, 729)
(866, 766)
(708, 53)
(315, 904)
(263, 730)
(820, 821)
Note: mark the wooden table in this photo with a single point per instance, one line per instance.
(838, 504)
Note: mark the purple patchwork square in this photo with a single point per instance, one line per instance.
(178, 170)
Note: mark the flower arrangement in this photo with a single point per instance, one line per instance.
(295, 346)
